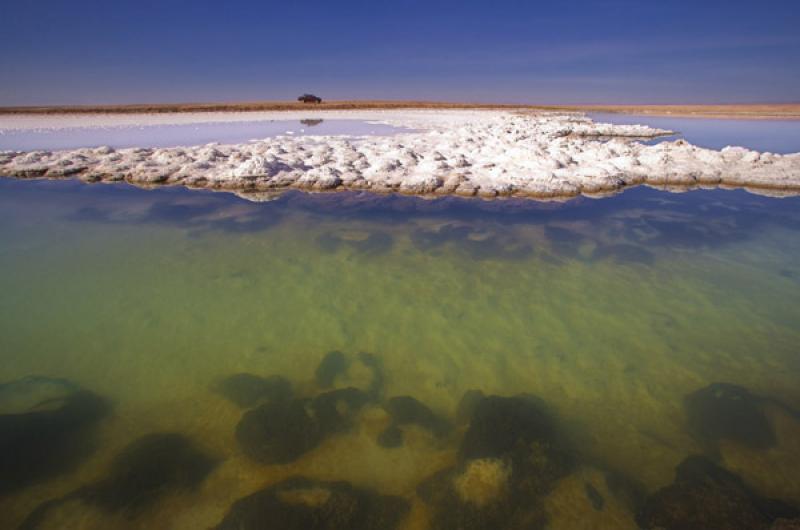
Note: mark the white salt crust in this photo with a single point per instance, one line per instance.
(487, 153)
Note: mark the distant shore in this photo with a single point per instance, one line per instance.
(787, 111)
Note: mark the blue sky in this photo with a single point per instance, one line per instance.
(612, 51)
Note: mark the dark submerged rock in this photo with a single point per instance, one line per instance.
(467, 404)
(705, 496)
(594, 496)
(42, 439)
(500, 425)
(626, 490)
(279, 432)
(373, 363)
(786, 524)
(391, 437)
(477, 243)
(334, 411)
(333, 365)
(140, 475)
(303, 504)
(406, 410)
(624, 253)
(34, 393)
(722, 411)
(336, 366)
(247, 390)
(564, 242)
(148, 468)
(460, 500)
(510, 458)
(377, 243)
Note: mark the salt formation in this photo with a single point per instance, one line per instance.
(467, 153)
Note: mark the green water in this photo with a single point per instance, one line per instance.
(610, 310)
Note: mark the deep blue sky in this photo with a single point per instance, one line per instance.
(580, 51)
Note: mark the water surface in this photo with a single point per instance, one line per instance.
(776, 136)
(611, 311)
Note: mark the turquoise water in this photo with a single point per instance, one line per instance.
(616, 313)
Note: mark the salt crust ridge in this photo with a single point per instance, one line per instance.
(487, 153)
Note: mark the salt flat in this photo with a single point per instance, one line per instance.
(487, 153)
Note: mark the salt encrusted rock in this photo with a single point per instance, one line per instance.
(485, 153)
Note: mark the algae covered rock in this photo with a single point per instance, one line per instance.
(723, 411)
(148, 468)
(339, 370)
(510, 458)
(140, 475)
(47, 429)
(279, 432)
(705, 496)
(406, 410)
(304, 504)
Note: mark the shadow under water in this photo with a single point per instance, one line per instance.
(183, 359)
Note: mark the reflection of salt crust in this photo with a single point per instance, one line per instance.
(485, 153)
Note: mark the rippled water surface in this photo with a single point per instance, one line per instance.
(635, 331)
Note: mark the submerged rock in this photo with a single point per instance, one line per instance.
(624, 253)
(466, 406)
(333, 365)
(335, 410)
(303, 504)
(373, 244)
(499, 425)
(406, 410)
(34, 393)
(705, 496)
(147, 469)
(510, 458)
(474, 241)
(279, 432)
(480, 495)
(722, 411)
(49, 430)
(247, 390)
(363, 371)
(391, 437)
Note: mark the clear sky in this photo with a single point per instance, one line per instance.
(576, 51)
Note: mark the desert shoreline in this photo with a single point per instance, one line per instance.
(755, 111)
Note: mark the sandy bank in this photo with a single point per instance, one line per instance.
(771, 111)
(787, 111)
(486, 153)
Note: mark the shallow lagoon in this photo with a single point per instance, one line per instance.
(612, 311)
